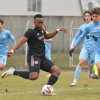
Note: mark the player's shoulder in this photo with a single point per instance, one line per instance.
(83, 25)
(89, 26)
(30, 30)
(7, 31)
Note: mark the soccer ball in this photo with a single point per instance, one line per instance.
(47, 90)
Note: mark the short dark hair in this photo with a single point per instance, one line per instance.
(38, 16)
(96, 11)
(1, 21)
(87, 12)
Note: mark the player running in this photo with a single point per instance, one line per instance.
(93, 30)
(6, 38)
(87, 52)
(36, 53)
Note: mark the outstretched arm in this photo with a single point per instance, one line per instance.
(18, 45)
(79, 36)
(22, 41)
(49, 35)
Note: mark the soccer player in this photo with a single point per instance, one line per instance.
(94, 29)
(36, 53)
(6, 38)
(87, 52)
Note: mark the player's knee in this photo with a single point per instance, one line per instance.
(83, 63)
(2, 67)
(58, 71)
(34, 76)
(55, 70)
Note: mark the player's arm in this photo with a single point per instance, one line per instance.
(11, 38)
(79, 36)
(75, 40)
(49, 35)
(22, 40)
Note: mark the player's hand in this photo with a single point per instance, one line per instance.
(61, 29)
(10, 53)
(71, 51)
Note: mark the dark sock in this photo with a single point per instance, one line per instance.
(52, 79)
(23, 74)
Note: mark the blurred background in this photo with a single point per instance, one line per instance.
(18, 16)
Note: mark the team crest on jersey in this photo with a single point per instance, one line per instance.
(36, 62)
(41, 38)
(38, 34)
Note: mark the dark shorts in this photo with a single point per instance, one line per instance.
(36, 63)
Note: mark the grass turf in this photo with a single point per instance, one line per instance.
(16, 88)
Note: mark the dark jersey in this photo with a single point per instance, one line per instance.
(35, 42)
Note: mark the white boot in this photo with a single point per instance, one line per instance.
(74, 83)
(10, 71)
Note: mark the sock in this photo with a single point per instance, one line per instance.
(52, 79)
(23, 74)
(98, 72)
(77, 73)
(91, 69)
(95, 70)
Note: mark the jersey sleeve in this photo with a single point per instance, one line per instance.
(75, 39)
(11, 38)
(82, 36)
(28, 33)
(79, 36)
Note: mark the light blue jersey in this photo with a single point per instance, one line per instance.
(6, 38)
(93, 31)
(87, 51)
(87, 40)
(78, 35)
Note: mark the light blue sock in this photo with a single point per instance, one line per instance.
(77, 72)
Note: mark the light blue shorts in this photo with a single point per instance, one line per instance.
(97, 57)
(87, 55)
(3, 59)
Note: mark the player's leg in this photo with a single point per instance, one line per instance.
(48, 66)
(54, 71)
(93, 72)
(83, 62)
(97, 62)
(3, 60)
(32, 74)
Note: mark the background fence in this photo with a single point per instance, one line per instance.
(18, 25)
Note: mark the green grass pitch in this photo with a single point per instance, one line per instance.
(16, 88)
